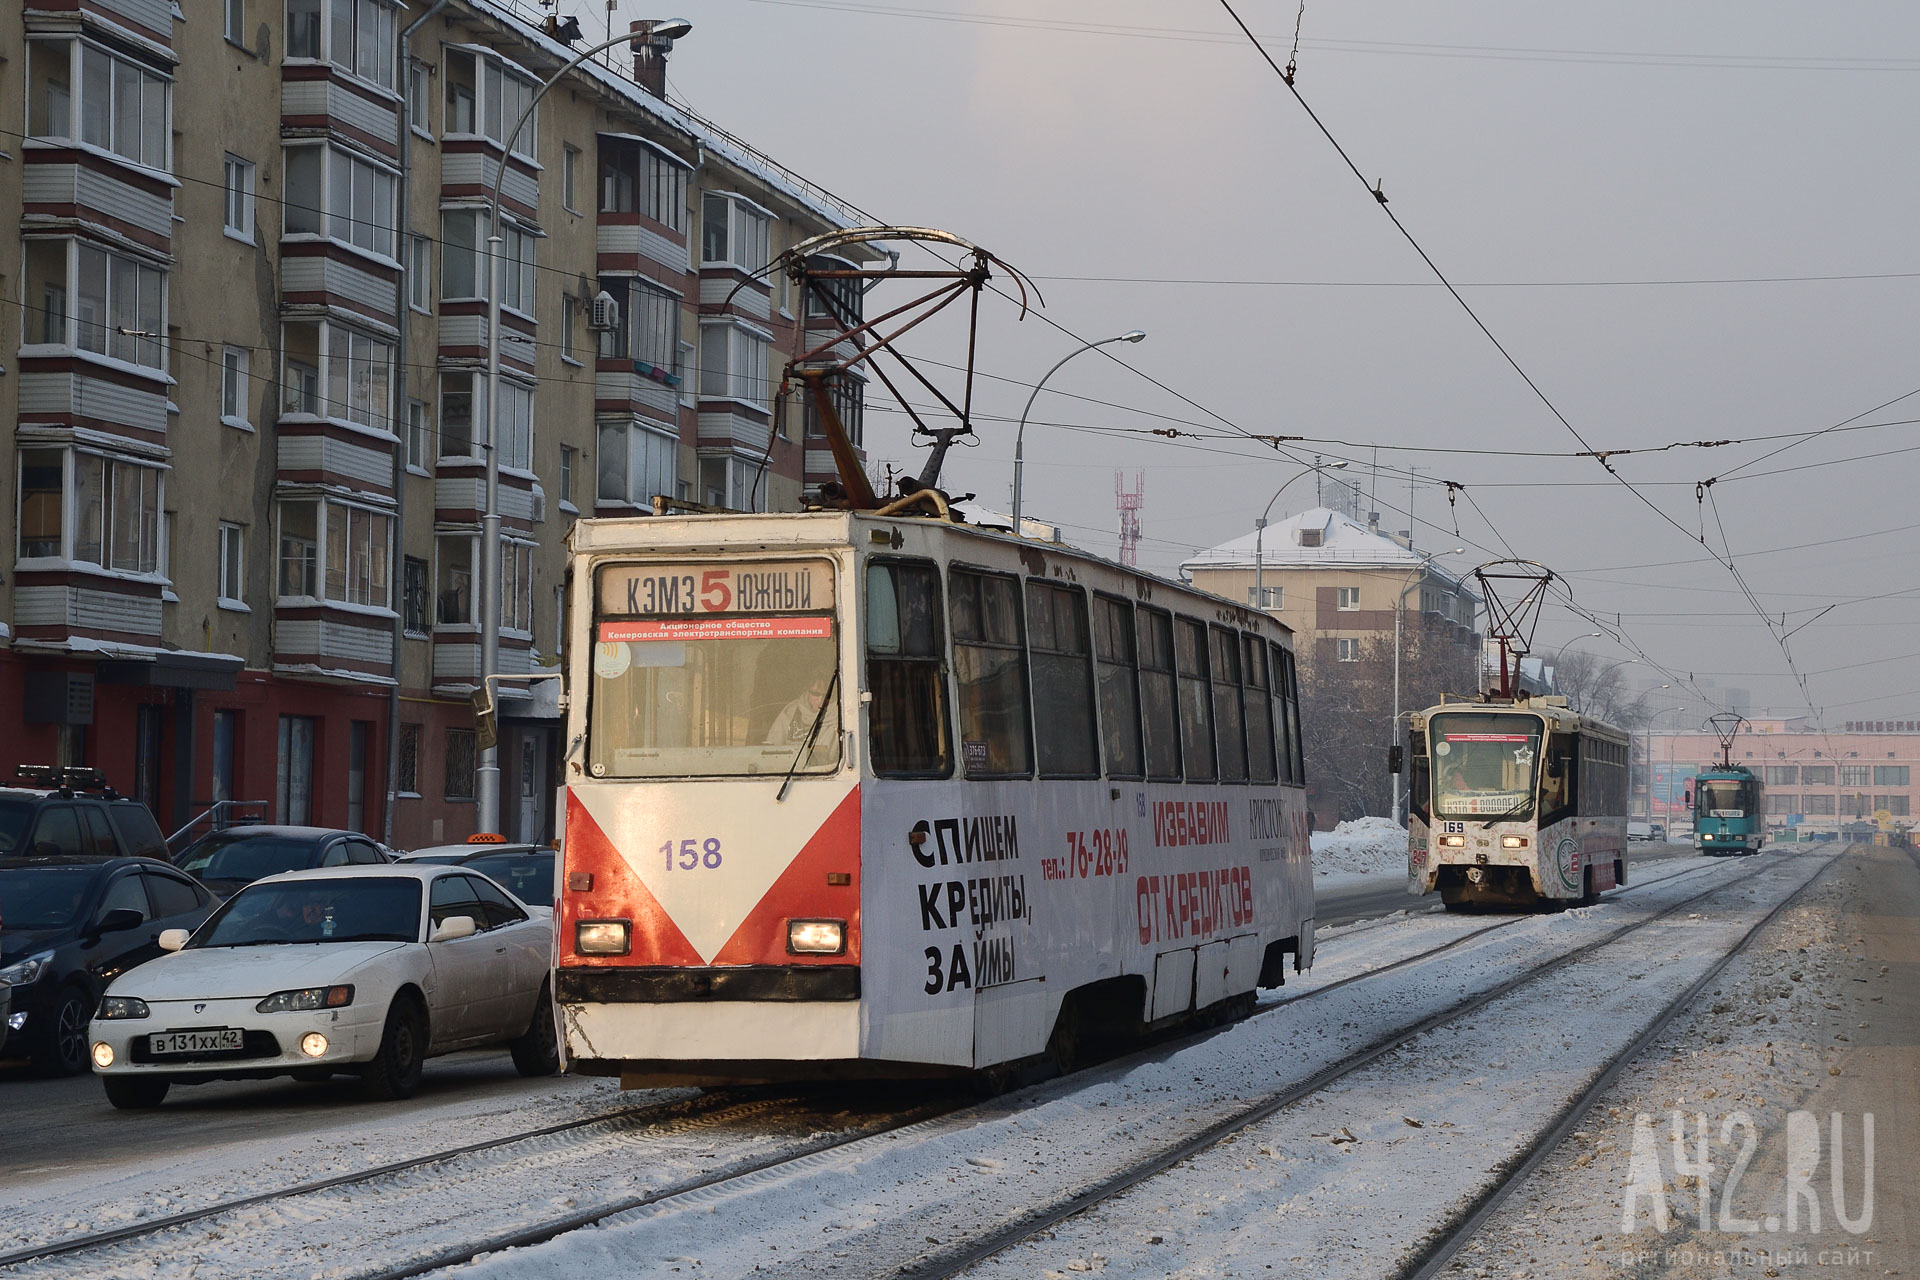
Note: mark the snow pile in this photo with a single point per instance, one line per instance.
(1369, 846)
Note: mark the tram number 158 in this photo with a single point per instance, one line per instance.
(692, 853)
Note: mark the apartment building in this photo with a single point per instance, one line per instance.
(242, 375)
(1816, 785)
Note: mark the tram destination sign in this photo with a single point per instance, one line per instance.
(741, 586)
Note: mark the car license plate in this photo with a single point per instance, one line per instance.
(216, 1040)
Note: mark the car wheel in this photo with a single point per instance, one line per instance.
(537, 1051)
(395, 1069)
(61, 1048)
(135, 1093)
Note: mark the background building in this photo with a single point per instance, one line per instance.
(246, 397)
(1816, 785)
(1339, 585)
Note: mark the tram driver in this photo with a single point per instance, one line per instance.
(796, 720)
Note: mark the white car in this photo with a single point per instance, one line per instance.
(369, 969)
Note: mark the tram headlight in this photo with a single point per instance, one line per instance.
(1453, 842)
(816, 937)
(1513, 842)
(603, 937)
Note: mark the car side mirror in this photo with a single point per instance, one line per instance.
(174, 939)
(119, 920)
(453, 928)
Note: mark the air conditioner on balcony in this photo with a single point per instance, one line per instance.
(606, 312)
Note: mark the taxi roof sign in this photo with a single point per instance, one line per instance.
(486, 837)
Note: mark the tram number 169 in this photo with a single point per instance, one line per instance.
(692, 853)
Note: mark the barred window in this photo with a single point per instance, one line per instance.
(461, 749)
(407, 776)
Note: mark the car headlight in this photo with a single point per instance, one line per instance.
(123, 1007)
(306, 1000)
(816, 937)
(1513, 842)
(603, 937)
(1453, 842)
(24, 972)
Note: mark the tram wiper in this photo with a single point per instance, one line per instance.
(819, 717)
(1511, 813)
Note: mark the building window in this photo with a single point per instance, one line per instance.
(1782, 774)
(1817, 805)
(460, 762)
(334, 551)
(569, 321)
(234, 20)
(569, 171)
(1347, 597)
(636, 463)
(417, 99)
(1264, 597)
(112, 506)
(487, 96)
(463, 418)
(233, 386)
(463, 260)
(733, 482)
(122, 105)
(516, 586)
(1891, 775)
(89, 299)
(407, 772)
(638, 178)
(649, 326)
(293, 798)
(233, 565)
(354, 35)
(239, 199)
(733, 233)
(456, 605)
(1856, 775)
(1816, 775)
(1896, 805)
(355, 368)
(417, 432)
(453, 595)
(733, 363)
(420, 273)
(565, 487)
(1347, 649)
(413, 595)
(329, 192)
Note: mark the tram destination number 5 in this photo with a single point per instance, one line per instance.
(692, 853)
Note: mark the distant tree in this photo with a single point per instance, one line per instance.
(1593, 687)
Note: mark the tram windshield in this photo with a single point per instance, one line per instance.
(1722, 797)
(714, 670)
(1483, 765)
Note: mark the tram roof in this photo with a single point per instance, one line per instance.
(1558, 715)
(798, 530)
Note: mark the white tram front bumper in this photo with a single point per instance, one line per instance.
(1478, 847)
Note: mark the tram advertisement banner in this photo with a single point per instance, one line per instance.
(734, 628)
(740, 586)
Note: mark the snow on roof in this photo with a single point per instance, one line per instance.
(1344, 543)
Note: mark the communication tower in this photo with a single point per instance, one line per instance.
(1129, 502)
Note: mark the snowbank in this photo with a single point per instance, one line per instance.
(1370, 846)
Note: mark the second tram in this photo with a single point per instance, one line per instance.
(868, 795)
(1515, 802)
(1726, 803)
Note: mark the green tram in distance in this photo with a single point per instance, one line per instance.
(1726, 802)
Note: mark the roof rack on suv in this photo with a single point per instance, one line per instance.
(66, 778)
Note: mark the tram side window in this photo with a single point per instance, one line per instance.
(1293, 719)
(1419, 776)
(1159, 694)
(1196, 699)
(906, 671)
(1559, 779)
(1227, 717)
(1062, 659)
(1114, 650)
(1258, 703)
(1283, 734)
(990, 668)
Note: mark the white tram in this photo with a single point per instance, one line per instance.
(1515, 802)
(888, 796)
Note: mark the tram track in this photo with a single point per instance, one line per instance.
(726, 1109)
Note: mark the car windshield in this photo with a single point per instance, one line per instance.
(329, 909)
(528, 876)
(42, 897)
(237, 856)
(1483, 764)
(15, 815)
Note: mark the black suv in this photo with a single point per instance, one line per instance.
(69, 926)
(77, 816)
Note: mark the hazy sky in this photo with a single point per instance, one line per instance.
(1635, 198)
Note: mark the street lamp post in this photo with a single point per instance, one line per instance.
(1400, 612)
(1561, 652)
(486, 781)
(1020, 436)
(1260, 532)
